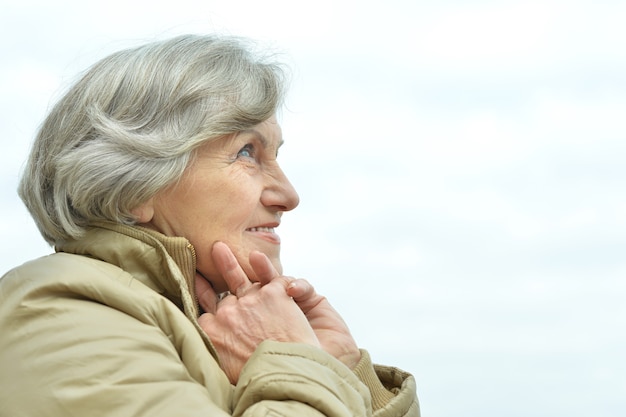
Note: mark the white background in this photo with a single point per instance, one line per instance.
(461, 166)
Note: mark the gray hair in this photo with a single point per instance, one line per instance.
(128, 128)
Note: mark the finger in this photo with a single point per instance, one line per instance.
(281, 282)
(206, 294)
(304, 294)
(263, 267)
(231, 271)
(300, 289)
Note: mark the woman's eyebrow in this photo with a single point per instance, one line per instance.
(259, 136)
(263, 139)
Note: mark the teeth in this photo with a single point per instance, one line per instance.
(262, 229)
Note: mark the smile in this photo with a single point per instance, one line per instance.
(261, 229)
(265, 233)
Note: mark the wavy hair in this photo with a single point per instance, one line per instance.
(128, 128)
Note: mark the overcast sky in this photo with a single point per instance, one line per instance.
(461, 168)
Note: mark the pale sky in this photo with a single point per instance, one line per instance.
(461, 168)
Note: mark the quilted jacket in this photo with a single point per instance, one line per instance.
(106, 326)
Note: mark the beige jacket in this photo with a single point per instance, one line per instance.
(114, 333)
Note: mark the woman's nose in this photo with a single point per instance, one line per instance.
(279, 192)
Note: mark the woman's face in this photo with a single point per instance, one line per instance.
(235, 192)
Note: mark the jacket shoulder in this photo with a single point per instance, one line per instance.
(79, 334)
(63, 271)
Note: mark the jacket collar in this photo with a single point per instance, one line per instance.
(165, 264)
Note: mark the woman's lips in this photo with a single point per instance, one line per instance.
(265, 233)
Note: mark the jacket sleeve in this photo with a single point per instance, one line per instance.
(304, 379)
(393, 391)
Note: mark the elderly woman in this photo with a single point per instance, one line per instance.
(155, 178)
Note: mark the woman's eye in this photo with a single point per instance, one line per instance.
(246, 152)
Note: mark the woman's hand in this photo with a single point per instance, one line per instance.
(331, 331)
(252, 313)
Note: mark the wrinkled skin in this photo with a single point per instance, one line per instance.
(275, 307)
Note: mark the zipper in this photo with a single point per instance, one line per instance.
(192, 284)
(199, 310)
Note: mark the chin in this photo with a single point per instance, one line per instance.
(277, 265)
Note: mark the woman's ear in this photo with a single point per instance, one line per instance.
(144, 212)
